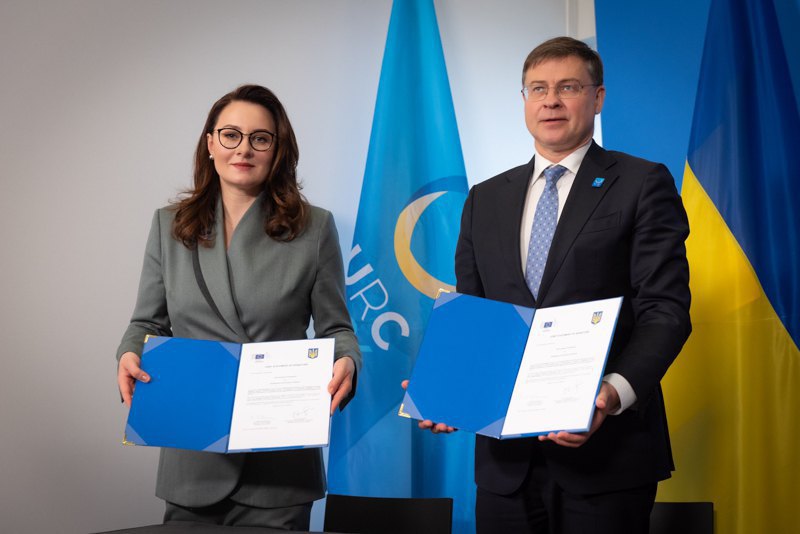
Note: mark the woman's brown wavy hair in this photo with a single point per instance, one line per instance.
(286, 208)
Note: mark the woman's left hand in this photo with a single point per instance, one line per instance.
(342, 382)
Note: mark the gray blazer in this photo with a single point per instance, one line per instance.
(264, 290)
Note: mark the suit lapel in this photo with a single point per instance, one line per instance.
(214, 267)
(511, 204)
(581, 203)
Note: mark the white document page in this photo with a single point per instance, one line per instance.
(282, 397)
(561, 368)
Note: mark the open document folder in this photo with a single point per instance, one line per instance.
(507, 371)
(227, 397)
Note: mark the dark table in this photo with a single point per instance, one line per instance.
(186, 527)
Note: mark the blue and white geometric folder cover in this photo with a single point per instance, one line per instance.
(188, 402)
(468, 363)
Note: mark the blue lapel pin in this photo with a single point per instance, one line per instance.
(598, 182)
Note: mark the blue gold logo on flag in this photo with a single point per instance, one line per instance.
(596, 316)
(313, 353)
(418, 276)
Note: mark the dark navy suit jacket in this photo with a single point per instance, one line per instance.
(624, 238)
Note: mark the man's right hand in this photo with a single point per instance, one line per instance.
(427, 424)
(128, 373)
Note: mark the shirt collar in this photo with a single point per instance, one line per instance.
(571, 162)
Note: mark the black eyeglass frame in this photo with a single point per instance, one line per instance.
(249, 138)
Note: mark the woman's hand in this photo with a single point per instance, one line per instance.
(128, 373)
(341, 384)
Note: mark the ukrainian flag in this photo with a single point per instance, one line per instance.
(734, 393)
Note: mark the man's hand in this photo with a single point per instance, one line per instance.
(607, 401)
(427, 424)
(128, 373)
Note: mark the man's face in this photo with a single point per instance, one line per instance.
(560, 125)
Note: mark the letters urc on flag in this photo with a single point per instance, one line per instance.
(403, 251)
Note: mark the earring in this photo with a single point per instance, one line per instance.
(211, 156)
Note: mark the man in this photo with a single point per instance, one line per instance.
(580, 223)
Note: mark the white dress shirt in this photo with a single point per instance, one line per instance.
(627, 396)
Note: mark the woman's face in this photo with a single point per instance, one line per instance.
(242, 169)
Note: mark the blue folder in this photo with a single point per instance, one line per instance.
(468, 363)
(188, 402)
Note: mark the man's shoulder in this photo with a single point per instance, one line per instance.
(625, 160)
(521, 172)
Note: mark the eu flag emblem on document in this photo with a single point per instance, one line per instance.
(596, 316)
(313, 353)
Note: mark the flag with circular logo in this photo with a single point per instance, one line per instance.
(403, 252)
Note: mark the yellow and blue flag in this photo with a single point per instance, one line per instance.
(403, 252)
(734, 393)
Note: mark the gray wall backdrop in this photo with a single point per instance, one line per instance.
(102, 103)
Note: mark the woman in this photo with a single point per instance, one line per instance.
(242, 258)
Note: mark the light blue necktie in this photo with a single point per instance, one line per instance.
(544, 226)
